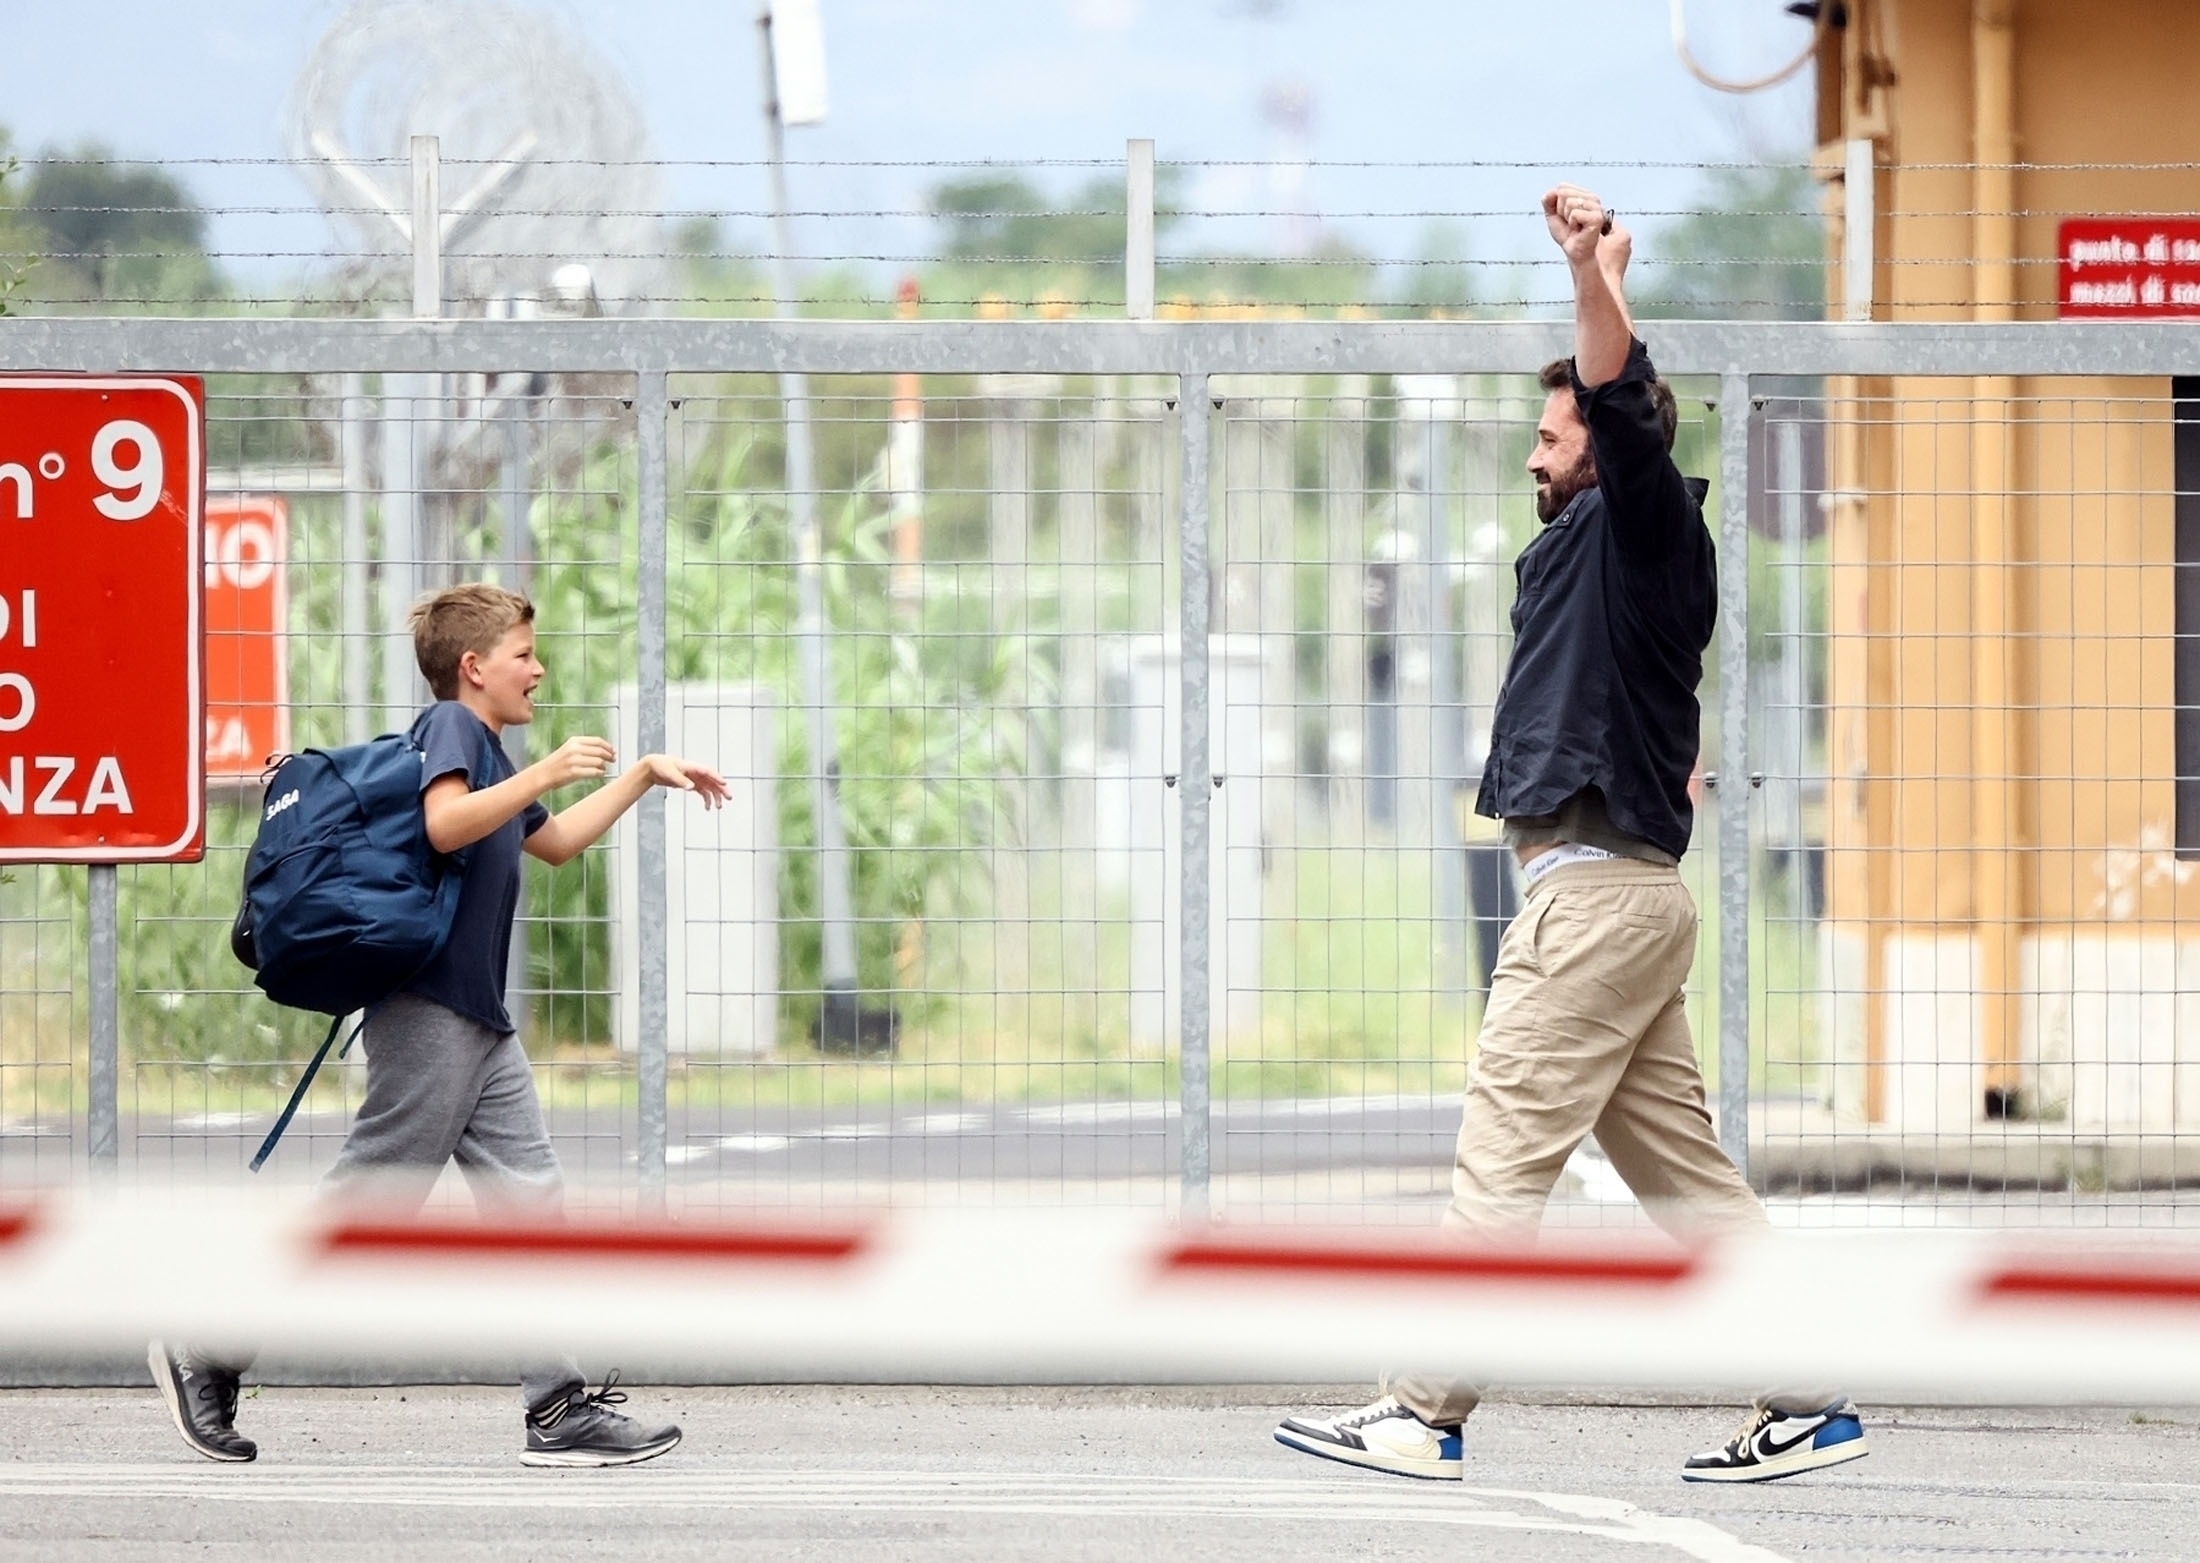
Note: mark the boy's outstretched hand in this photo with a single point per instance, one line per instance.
(687, 776)
(578, 759)
(568, 833)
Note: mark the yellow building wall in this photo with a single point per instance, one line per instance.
(2000, 726)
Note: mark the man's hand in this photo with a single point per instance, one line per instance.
(1614, 249)
(1588, 233)
(686, 776)
(578, 759)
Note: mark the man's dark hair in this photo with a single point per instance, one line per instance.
(1558, 375)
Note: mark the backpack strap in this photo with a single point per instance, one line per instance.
(298, 1092)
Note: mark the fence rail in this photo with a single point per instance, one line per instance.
(1082, 347)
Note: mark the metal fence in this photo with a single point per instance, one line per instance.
(1104, 703)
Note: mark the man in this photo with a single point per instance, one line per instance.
(1591, 749)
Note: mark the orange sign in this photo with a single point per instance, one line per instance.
(247, 690)
(101, 705)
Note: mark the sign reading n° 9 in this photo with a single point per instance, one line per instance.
(102, 698)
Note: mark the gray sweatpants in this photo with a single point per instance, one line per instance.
(438, 1086)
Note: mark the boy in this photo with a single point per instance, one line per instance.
(445, 1072)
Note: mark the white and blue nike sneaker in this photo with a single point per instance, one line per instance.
(1384, 1436)
(1773, 1444)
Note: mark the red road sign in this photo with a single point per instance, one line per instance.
(102, 703)
(247, 692)
(2124, 268)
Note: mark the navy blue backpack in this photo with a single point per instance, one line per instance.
(345, 902)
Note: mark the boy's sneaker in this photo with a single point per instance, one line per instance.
(1773, 1444)
(203, 1402)
(582, 1429)
(1384, 1436)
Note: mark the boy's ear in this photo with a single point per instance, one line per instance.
(469, 669)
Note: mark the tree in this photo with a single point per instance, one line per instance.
(1754, 248)
(991, 216)
(1004, 236)
(16, 252)
(117, 230)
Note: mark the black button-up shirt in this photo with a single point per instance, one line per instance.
(1617, 598)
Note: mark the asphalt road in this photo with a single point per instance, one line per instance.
(1076, 1141)
(1066, 1474)
(1384, 1158)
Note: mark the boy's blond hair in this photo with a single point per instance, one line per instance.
(474, 617)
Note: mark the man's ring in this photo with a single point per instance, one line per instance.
(1608, 216)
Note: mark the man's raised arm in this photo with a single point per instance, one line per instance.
(1597, 250)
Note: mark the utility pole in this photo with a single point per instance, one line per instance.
(837, 1026)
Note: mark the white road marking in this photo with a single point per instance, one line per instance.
(1335, 1106)
(946, 1123)
(1088, 1115)
(1074, 1496)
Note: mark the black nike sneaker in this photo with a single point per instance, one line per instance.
(1772, 1444)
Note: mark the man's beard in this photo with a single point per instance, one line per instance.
(1553, 496)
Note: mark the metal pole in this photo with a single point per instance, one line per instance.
(427, 227)
(1793, 684)
(1447, 718)
(1735, 777)
(653, 926)
(400, 548)
(516, 550)
(837, 1017)
(357, 635)
(431, 548)
(405, 397)
(102, 1121)
(1344, 503)
(1197, 784)
(1138, 248)
(1858, 222)
(1421, 401)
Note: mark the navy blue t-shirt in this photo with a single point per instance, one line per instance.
(468, 976)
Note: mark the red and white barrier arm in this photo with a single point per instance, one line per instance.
(1102, 1296)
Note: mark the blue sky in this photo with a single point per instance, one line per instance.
(1563, 83)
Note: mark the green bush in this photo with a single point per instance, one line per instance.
(924, 735)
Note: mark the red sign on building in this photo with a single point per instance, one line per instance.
(2124, 268)
(102, 704)
(247, 691)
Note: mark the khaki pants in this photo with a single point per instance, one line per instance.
(1587, 1031)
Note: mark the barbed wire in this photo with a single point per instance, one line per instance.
(394, 162)
(1221, 265)
(66, 160)
(905, 213)
(1189, 260)
(822, 305)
